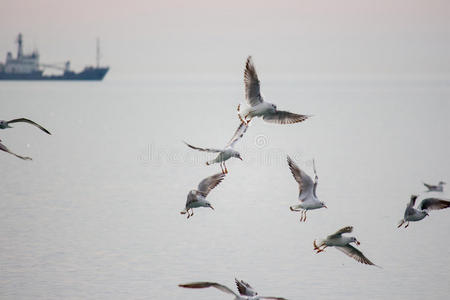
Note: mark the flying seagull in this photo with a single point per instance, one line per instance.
(227, 152)
(307, 190)
(416, 214)
(246, 292)
(5, 124)
(257, 106)
(4, 148)
(435, 188)
(342, 243)
(197, 198)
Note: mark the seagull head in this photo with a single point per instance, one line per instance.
(238, 155)
(209, 205)
(4, 124)
(323, 204)
(354, 240)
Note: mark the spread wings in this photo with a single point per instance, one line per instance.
(251, 81)
(434, 203)
(305, 183)
(244, 288)
(29, 122)
(207, 184)
(355, 254)
(4, 148)
(202, 284)
(203, 149)
(238, 134)
(338, 233)
(284, 117)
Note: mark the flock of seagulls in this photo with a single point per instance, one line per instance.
(5, 124)
(257, 107)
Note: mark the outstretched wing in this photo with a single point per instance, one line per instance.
(4, 148)
(201, 285)
(244, 288)
(305, 183)
(272, 298)
(338, 233)
(412, 202)
(284, 117)
(207, 184)
(203, 149)
(251, 81)
(429, 186)
(238, 134)
(355, 254)
(29, 122)
(433, 203)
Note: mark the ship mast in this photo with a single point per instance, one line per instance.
(19, 46)
(98, 53)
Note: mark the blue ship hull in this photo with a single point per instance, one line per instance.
(89, 73)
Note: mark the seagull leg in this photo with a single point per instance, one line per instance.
(407, 224)
(304, 220)
(223, 172)
(226, 170)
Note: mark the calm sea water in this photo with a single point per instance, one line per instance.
(95, 215)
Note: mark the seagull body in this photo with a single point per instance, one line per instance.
(307, 190)
(435, 188)
(246, 292)
(4, 148)
(227, 152)
(343, 243)
(416, 214)
(197, 198)
(5, 124)
(257, 107)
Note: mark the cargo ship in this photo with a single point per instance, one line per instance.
(27, 67)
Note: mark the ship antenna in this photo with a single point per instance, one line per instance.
(98, 52)
(19, 46)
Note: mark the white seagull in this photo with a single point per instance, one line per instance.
(412, 214)
(4, 148)
(246, 292)
(5, 124)
(227, 152)
(257, 106)
(307, 190)
(435, 188)
(342, 243)
(197, 198)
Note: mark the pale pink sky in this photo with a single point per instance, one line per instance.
(305, 37)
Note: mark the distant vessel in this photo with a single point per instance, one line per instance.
(27, 67)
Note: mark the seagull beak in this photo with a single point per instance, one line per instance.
(240, 158)
(325, 206)
(358, 243)
(212, 207)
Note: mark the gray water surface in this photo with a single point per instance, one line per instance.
(95, 215)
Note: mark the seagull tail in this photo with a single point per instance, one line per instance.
(295, 207)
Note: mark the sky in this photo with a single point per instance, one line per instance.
(310, 39)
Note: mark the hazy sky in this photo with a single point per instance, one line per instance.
(331, 38)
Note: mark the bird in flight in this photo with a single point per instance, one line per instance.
(5, 124)
(4, 148)
(342, 243)
(227, 152)
(435, 188)
(257, 107)
(307, 190)
(197, 198)
(246, 292)
(416, 214)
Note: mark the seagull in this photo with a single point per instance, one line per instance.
(197, 198)
(228, 151)
(307, 190)
(257, 106)
(342, 243)
(5, 124)
(246, 292)
(435, 188)
(416, 214)
(4, 148)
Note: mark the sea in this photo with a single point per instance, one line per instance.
(96, 213)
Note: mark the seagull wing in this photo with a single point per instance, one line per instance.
(355, 254)
(412, 202)
(305, 183)
(284, 117)
(4, 148)
(238, 134)
(251, 81)
(203, 149)
(272, 298)
(207, 184)
(29, 122)
(433, 203)
(244, 288)
(428, 186)
(338, 233)
(201, 285)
